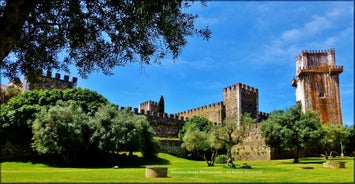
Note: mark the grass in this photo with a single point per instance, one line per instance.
(182, 170)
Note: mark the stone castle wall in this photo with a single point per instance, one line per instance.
(214, 112)
(49, 82)
(253, 147)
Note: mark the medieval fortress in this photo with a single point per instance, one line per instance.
(316, 83)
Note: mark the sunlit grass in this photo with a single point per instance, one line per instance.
(182, 170)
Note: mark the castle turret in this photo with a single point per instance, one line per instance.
(317, 84)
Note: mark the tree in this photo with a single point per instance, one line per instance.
(18, 115)
(350, 143)
(161, 106)
(199, 122)
(230, 133)
(292, 130)
(197, 139)
(121, 130)
(93, 35)
(334, 139)
(60, 130)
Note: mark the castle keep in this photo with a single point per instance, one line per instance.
(317, 84)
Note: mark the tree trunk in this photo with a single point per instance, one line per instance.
(296, 156)
(230, 159)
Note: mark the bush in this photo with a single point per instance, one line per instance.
(221, 159)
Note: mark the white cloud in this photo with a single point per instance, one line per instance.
(321, 30)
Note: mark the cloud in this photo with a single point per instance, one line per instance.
(326, 28)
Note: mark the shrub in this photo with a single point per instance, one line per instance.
(221, 159)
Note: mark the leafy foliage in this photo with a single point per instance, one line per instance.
(60, 130)
(197, 139)
(93, 35)
(292, 129)
(121, 130)
(230, 134)
(334, 137)
(18, 115)
(199, 122)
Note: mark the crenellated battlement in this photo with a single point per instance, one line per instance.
(57, 77)
(49, 82)
(209, 106)
(332, 69)
(149, 102)
(262, 116)
(241, 87)
(327, 51)
(306, 53)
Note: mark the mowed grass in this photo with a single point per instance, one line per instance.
(183, 170)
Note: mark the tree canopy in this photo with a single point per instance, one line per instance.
(292, 129)
(92, 35)
(230, 134)
(197, 139)
(60, 130)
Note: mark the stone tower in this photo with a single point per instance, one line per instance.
(240, 99)
(149, 105)
(317, 84)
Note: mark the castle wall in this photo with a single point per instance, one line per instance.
(164, 125)
(253, 147)
(49, 82)
(317, 84)
(214, 112)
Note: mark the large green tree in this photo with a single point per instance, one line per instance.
(19, 113)
(92, 35)
(292, 130)
(60, 130)
(121, 130)
(197, 139)
(334, 139)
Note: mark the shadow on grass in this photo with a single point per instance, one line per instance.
(120, 160)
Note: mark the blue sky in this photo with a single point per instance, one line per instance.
(254, 43)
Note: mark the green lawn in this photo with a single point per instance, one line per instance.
(182, 170)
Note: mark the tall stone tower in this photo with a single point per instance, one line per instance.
(240, 99)
(317, 84)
